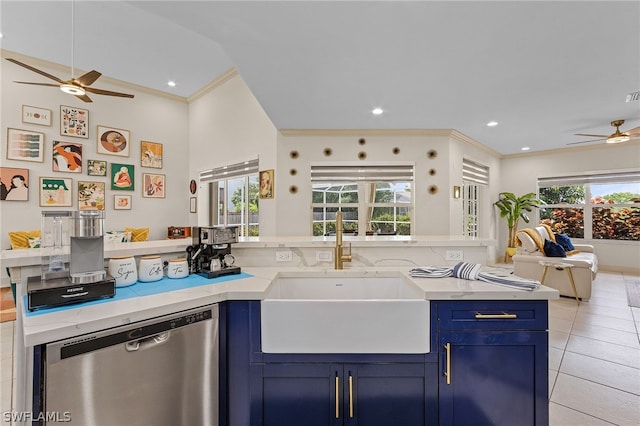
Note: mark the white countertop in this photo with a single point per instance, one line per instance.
(81, 319)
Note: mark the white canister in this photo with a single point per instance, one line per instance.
(124, 270)
(150, 269)
(178, 268)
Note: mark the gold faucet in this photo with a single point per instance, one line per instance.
(339, 257)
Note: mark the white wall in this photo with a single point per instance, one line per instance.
(519, 175)
(148, 117)
(228, 125)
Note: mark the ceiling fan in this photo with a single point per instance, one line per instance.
(75, 86)
(615, 137)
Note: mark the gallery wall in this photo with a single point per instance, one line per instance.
(148, 117)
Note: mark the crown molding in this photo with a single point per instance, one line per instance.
(219, 81)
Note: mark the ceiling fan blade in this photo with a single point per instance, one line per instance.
(593, 136)
(107, 92)
(634, 132)
(88, 79)
(38, 84)
(29, 67)
(592, 140)
(84, 98)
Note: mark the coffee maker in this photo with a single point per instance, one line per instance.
(72, 246)
(211, 257)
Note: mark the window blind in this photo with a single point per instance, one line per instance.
(475, 172)
(361, 173)
(615, 177)
(230, 171)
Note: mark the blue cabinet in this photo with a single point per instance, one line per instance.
(493, 363)
(488, 366)
(318, 394)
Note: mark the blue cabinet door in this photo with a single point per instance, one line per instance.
(347, 394)
(300, 395)
(493, 378)
(389, 394)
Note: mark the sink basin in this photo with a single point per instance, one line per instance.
(344, 313)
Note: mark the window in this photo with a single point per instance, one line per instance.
(474, 177)
(597, 206)
(374, 199)
(233, 193)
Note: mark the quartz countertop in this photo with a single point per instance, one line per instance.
(82, 318)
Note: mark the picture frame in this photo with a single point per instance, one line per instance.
(36, 115)
(91, 195)
(14, 181)
(122, 177)
(193, 204)
(153, 185)
(74, 122)
(113, 141)
(151, 154)
(96, 168)
(55, 191)
(122, 202)
(25, 145)
(267, 183)
(66, 157)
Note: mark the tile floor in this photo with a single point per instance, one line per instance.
(594, 358)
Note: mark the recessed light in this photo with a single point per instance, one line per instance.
(492, 124)
(525, 148)
(377, 111)
(171, 83)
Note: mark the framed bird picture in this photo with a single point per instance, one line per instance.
(151, 154)
(67, 157)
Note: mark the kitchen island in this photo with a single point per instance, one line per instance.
(247, 370)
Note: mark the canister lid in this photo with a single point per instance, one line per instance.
(121, 257)
(150, 257)
(178, 259)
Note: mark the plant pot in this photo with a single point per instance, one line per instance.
(509, 253)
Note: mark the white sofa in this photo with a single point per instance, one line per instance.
(529, 254)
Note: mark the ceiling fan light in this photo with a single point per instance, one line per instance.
(618, 139)
(72, 90)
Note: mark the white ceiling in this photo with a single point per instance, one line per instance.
(543, 69)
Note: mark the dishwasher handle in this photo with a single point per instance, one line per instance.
(146, 342)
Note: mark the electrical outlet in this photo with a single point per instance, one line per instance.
(323, 256)
(454, 255)
(284, 256)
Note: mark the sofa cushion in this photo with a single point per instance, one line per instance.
(20, 239)
(552, 249)
(527, 242)
(565, 242)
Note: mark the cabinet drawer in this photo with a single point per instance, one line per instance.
(493, 315)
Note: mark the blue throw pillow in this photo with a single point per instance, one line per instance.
(552, 249)
(565, 242)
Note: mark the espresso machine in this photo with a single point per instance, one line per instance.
(211, 257)
(73, 270)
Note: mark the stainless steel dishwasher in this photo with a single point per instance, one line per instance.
(162, 371)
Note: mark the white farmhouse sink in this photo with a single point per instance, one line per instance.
(344, 313)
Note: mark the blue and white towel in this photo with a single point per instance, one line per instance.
(475, 271)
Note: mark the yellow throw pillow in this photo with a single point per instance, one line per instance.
(20, 239)
(138, 234)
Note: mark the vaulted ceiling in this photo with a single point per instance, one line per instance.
(544, 70)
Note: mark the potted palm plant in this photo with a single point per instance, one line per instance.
(514, 208)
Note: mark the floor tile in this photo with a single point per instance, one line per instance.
(607, 373)
(597, 400)
(563, 416)
(558, 339)
(606, 334)
(605, 321)
(604, 350)
(561, 325)
(605, 310)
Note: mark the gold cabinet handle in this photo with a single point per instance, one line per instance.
(350, 395)
(337, 397)
(447, 372)
(502, 315)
